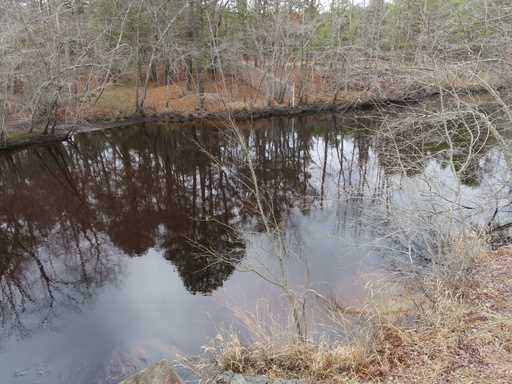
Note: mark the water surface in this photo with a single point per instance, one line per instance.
(130, 245)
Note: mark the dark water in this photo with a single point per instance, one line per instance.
(135, 244)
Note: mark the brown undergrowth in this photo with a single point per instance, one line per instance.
(466, 335)
(232, 94)
(453, 326)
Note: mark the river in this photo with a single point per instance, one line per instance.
(129, 245)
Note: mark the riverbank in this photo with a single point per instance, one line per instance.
(465, 334)
(455, 327)
(20, 138)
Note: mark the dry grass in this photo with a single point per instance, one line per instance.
(176, 97)
(466, 335)
(453, 327)
(297, 360)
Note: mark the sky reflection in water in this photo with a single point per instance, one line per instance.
(107, 244)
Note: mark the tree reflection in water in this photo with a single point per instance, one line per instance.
(69, 211)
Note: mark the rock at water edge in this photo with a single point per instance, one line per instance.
(160, 373)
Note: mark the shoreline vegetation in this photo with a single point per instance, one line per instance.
(455, 326)
(20, 138)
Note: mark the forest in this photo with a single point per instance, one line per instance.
(69, 61)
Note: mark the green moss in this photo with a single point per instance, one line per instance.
(18, 135)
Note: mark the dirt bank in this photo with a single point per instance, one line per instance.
(65, 131)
